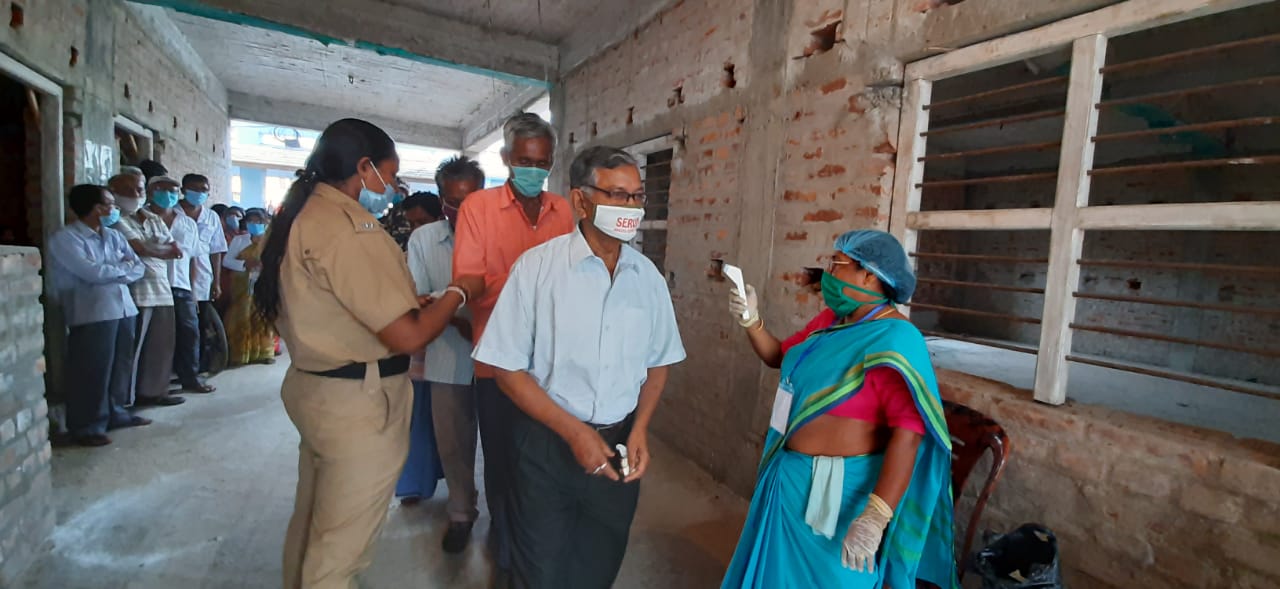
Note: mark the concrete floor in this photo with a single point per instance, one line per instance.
(200, 500)
(1245, 416)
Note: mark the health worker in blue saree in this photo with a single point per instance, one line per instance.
(854, 487)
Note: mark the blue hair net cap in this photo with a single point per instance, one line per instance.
(882, 255)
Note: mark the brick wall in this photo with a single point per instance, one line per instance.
(800, 148)
(26, 501)
(1135, 502)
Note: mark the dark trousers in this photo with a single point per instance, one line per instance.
(100, 359)
(186, 348)
(571, 527)
(207, 316)
(493, 413)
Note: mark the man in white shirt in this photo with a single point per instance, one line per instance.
(165, 197)
(447, 366)
(581, 339)
(211, 244)
(151, 240)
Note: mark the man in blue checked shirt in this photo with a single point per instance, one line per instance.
(91, 266)
(581, 339)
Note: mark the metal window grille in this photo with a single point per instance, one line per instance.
(1034, 166)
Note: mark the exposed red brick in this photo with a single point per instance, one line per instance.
(855, 105)
(813, 154)
(708, 138)
(797, 235)
(830, 170)
(885, 147)
(875, 189)
(721, 234)
(709, 31)
(793, 195)
(866, 212)
(824, 216)
(834, 85)
(825, 17)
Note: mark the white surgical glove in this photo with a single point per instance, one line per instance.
(744, 306)
(863, 539)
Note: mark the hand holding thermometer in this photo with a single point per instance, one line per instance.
(734, 274)
(622, 458)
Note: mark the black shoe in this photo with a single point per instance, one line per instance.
(198, 388)
(92, 441)
(133, 421)
(457, 536)
(167, 401)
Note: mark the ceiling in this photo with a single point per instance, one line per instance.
(276, 65)
(548, 21)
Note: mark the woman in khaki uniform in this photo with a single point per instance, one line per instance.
(337, 288)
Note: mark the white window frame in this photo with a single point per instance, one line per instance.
(1071, 215)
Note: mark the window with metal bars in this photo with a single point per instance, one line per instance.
(656, 159)
(1101, 193)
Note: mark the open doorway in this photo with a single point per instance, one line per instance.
(20, 190)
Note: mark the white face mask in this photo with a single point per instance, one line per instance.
(620, 223)
(128, 205)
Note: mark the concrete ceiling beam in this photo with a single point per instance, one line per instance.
(479, 132)
(391, 29)
(288, 113)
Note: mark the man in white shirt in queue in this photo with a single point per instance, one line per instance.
(581, 340)
(151, 239)
(211, 244)
(447, 366)
(185, 359)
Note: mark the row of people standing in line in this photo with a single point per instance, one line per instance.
(133, 275)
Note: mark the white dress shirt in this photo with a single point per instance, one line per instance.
(587, 338)
(187, 235)
(210, 241)
(430, 251)
(90, 273)
(232, 261)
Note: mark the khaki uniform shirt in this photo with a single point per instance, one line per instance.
(343, 279)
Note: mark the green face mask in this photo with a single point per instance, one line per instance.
(528, 181)
(833, 295)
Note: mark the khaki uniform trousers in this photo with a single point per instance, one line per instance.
(355, 437)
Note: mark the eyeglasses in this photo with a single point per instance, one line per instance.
(833, 262)
(629, 197)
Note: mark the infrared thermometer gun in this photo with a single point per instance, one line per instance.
(622, 459)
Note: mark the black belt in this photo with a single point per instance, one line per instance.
(605, 430)
(392, 366)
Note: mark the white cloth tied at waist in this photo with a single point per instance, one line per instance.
(826, 490)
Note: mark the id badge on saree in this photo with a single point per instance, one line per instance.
(781, 409)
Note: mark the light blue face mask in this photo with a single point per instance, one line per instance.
(256, 229)
(165, 199)
(112, 219)
(196, 198)
(376, 203)
(529, 181)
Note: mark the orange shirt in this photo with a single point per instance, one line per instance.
(493, 232)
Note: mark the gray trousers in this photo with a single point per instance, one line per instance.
(570, 528)
(453, 412)
(100, 366)
(493, 412)
(153, 358)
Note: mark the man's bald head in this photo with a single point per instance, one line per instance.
(127, 185)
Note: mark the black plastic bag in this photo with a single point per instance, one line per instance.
(1026, 558)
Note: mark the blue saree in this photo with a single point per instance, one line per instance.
(778, 549)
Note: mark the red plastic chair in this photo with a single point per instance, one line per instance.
(972, 434)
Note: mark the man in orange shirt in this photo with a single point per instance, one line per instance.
(495, 227)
